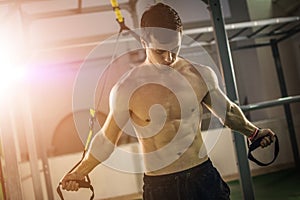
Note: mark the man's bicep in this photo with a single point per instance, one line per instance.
(209, 77)
(111, 129)
(119, 107)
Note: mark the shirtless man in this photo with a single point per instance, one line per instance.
(164, 98)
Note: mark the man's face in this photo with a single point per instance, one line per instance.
(164, 53)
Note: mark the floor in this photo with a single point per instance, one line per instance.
(281, 185)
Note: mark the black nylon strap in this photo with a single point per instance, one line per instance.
(123, 28)
(254, 145)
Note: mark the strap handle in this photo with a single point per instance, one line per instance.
(255, 144)
(82, 184)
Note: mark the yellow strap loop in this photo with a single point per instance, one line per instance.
(92, 119)
(116, 8)
(88, 140)
(92, 112)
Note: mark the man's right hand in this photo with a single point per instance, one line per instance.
(69, 181)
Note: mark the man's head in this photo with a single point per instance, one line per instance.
(163, 16)
(161, 33)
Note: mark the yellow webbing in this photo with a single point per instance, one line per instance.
(116, 8)
(92, 114)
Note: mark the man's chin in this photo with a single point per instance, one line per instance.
(168, 63)
(164, 63)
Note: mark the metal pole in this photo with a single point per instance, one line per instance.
(287, 109)
(133, 12)
(271, 103)
(230, 82)
(2, 182)
(43, 153)
(31, 145)
(28, 125)
(12, 176)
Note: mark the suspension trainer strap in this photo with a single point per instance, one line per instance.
(121, 20)
(82, 183)
(86, 183)
(119, 17)
(255, 144)
(91, 128)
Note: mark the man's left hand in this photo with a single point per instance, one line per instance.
(268, 137)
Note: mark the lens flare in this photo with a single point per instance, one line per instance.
(11, 71)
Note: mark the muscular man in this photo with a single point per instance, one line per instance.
(164, 99)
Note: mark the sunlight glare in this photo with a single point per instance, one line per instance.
(10, 70)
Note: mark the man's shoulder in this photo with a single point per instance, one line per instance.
(130, 78)
(196, 68)
(124, 81)
(205, 73)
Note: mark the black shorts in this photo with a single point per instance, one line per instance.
(202, 182)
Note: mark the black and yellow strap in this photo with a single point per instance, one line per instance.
(86, 183)
(121, 20)
(119, 17)
(91, 128)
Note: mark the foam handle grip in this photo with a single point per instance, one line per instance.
(82, 184)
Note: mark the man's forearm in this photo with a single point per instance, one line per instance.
(236, 120)
(100, 149)
(87, 165)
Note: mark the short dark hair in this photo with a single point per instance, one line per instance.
(162, 16)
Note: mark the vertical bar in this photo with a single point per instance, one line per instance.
(12, 176)
(230, 82)
(133, 12)
(287, 108)
(31, 145)
(79, 5)
(25, 22)
(46, 170)
(3, 195)
(47, 177)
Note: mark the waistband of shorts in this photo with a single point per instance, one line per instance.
(203, 167)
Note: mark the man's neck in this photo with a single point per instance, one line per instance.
(149, 62)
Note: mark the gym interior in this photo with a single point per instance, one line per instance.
(52, 51)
